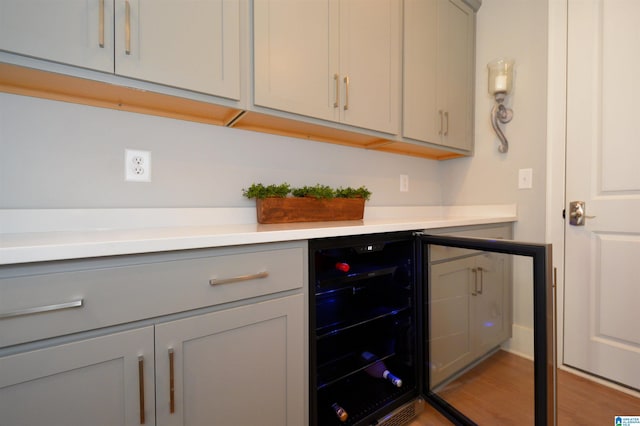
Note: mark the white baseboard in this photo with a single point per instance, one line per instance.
(521, 342)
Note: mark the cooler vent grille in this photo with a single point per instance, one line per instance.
(400, 417)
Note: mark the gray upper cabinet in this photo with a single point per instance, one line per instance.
(194, 46)
(74, 32)
(333, 60)
(191, 45)
(334, 71)
(292, 53)
(438, 72)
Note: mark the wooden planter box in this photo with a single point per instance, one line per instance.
(305, 209)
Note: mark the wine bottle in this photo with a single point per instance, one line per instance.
(379, 370)
(342, 266)
(340, 412)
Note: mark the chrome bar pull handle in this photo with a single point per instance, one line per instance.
(218, 281)
(346, 93)
(475, 282)
(101, 23)
(336, 79)
(481, 274)
(39, 309)
(172, 395)
(141, 387)
(441, 113)
(127, 27)
(446, 127)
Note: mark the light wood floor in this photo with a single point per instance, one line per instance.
(505, 397)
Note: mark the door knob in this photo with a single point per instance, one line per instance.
(577, 216)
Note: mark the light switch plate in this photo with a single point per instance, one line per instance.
(525, 178)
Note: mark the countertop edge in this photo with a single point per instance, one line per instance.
(28, 247)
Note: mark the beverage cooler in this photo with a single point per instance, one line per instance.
(369, 345)
(363, 324)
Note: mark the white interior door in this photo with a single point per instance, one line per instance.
(602, 280)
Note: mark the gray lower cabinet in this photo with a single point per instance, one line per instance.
(240, 359)
(242, 366)
(88, 382)
(470, 303)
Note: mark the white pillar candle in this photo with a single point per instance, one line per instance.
(500, 84)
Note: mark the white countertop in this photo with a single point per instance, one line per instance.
(57, 234)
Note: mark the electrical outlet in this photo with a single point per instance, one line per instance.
(525, 178)
(137, 165)
(404, 183)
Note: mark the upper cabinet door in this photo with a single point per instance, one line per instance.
(74, 32)
(438, 72)
(370, 61)
(193, 44)
(456, 52)
(421, 120)
(336, 60)
(293, 46)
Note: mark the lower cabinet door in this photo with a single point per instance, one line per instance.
(492, 308)
(451, 326)
(469, 311)
(90, 382)
(240, 366)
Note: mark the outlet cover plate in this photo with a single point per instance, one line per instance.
(404, 183)
(137, 165)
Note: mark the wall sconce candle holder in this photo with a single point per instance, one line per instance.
(500, 84)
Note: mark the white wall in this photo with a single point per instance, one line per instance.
(516, 29)
(61, 155)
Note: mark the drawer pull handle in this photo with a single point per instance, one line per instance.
(172, 388)
(215, 281)
(141, 387)
(39, 309)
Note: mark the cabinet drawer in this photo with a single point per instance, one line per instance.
(494, 231)
(41, 301)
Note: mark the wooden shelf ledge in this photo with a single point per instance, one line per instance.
(25, 81)
(265, 123)
(48, 85)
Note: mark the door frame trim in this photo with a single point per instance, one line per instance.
(556, 152)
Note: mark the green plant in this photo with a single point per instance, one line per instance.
(350, 192)
(317, 191)
(260, 191)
